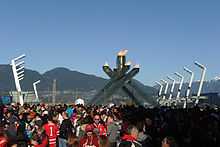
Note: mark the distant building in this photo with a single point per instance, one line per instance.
(29, 96)
(210, 98)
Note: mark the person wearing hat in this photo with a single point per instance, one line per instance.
(90, 139)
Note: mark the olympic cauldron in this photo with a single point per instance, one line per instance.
(121, 77)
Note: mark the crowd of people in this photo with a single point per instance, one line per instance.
(72, 125)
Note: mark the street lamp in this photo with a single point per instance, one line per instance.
(172, 88)
(203, 68)
(161, 88)
(181, 84)
(166, 88)
(35, 90)
(189, 86)
(18, 72)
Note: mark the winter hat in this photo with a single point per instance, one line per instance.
(89, 128)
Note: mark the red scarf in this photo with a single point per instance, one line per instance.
(128, 138)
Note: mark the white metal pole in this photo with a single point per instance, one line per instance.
(189, 86)
(18, 75)
(172, 88)
(203, 68)
(19, 57)
(181, 84)
(21, 78)
(17, 83)
(21, 72)
(161, 88)
(166, 88)
(20, 68)
(19, 63)
(35, 90)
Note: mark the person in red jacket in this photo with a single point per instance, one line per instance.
(100, 128)
(3, 138)
(3, 142)
(90, 139)
(52, 131)
(39, 138)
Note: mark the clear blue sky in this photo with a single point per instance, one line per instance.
(162, 36)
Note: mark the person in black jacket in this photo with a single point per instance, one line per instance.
(66, 128)
(22, 139)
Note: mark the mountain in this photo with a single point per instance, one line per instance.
(67, 80)
(7, 79)
(71, 80)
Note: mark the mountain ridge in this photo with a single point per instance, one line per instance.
(66, 80)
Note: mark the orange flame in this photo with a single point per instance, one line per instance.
(122, 52)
